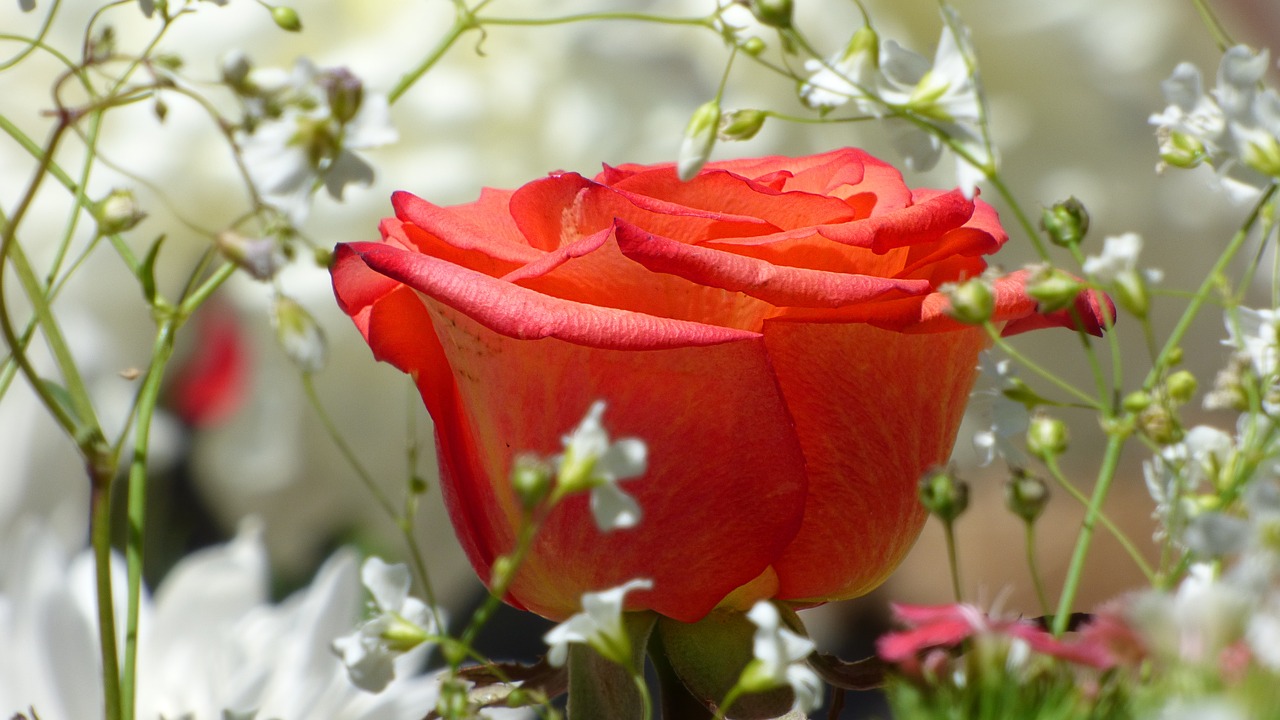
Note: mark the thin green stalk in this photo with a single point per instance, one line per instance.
(594, 16)
(994, 333)
(948, 529)
(1055, 470)
(148, 396)
(524, 543)
(1033, 568)
(1107, 473)
(642, 687)
(100, 536)
(463, 23)
(1220, 35)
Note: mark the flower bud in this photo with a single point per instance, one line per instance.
(531, 477)
(699, 138)
(944, 495)
(260, 257)
(774, 13)
(1263, 155)
(972, 302)
(1182, 150)
(299, 335)
(344, 91)
(753, 46)
(1053, 289)
(741, 124)
(1132, 293)
(1046, 437)
(1159, 424)
(1181, 386)
(1136, 401)
(1066, 222)
(286, 18)
(1026, 495)
(402, 635)
(117, 212)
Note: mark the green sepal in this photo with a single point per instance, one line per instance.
(709, 657)
(600, 688)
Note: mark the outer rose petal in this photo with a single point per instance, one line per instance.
(725, 488)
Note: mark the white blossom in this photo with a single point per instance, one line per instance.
(600, 625)
(211, 645)
(780, 659)
(1236, 129)
(401, 623)
(591, 462)
(1254, 332)
(1006, 420)
(1119, 258)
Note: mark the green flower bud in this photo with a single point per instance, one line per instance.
(286, 18)
(1066, 222)
(1182, 150)
(699, 138)
(453, 703)
(1026, 495)
(344, 92)
(943, 495)
(1159, 424)
(753, 46)
(1181, 386)
(972, 302)
(1136, 401)
(774, 13)
(117, 212)
(531, 476)
(501, 571)
(1053, 289)
(1046, 437)
(402, 635)
(741, 124)
(1132, 293)
(1263, 156)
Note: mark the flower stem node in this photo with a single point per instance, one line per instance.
(774, 13)
(943, 494)
(117, 212)
(1026, 495)
(1066, 222)
(1053, 289)
(741, 124)
(1046, 437)
(972, 302)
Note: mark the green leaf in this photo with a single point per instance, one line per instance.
(147, 272)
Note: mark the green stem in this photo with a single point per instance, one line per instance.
(1056, 471)
(994, 333)
(1110, 460)
(100, 536)
(464, 22)
(949, 532)
(1036, 580)
(1220, 35)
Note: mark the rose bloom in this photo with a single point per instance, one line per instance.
(772, 329)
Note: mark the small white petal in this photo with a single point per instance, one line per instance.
(389, 584)
(612, 508)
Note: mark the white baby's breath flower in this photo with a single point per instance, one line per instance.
(1256, 334)
(1119, 256)
(849, 76)
(599, 625)
(401, 623)
(779, 660)
(591, 462)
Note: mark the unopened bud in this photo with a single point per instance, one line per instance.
(531, 478)
(299, 335)
(1053, 289)
(344, 91)
(944, 495)
(117, 212)
(1181, 386)
(1046, 437)
(1066, 222)
(453, 701)
(741, 124)
(1136, 401)
(260, 257)
(1159, 425)
(286, 18)
(1132, 293)
(774, 13)
(699, 138)
(972, 301)
(501, 571)
(753, 46)
(1026, 495)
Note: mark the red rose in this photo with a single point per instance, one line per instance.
(772, 329)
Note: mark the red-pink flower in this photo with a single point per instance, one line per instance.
(932, 627)
(772, 329)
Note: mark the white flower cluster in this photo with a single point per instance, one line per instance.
(301, 130)
(912, 94)
(1235, 129)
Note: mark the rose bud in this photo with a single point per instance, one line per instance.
(772, 329)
